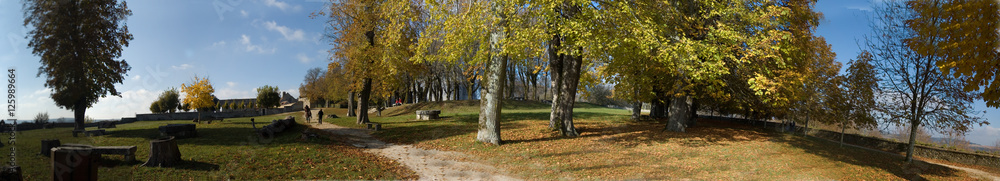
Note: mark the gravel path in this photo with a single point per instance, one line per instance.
(428, 164)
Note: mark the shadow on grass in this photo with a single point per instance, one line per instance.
(630, 134)
(892, 163)
(222, 136)
(197, 166)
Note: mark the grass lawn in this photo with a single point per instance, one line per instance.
(612, 147)
(222, 150)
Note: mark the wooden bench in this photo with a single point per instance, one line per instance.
(127, 151)
(106, 124)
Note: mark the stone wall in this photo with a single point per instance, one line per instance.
(224, 114)
(883, 144)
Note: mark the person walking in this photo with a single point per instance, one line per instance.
(320, 114)
(308, 114)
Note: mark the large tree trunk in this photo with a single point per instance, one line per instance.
(79, 115)
(914, 126)
(524, 86)
(350, 104)
(555, 72)
(366, 91)
(163, 153)
(679, 115)
(571, 80)
(493, 88)
(636, 106)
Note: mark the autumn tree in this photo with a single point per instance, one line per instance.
(313, 86)
(336, 83)
(198, 95)
(372, 39)
(861, 85)
(965, 35)
(80, 67)
(915, 91)
(268, 96)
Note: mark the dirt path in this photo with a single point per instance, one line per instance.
(974, 172)
(428, 164)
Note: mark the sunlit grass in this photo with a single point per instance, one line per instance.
(222, 150)
(612, 147)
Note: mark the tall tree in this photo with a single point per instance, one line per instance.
(959, 31)
(268, 96)
(861, 85)
(915, 91)
(487, 34)
(78, 42)
(198, 94)
(313, 85)
(372, 37)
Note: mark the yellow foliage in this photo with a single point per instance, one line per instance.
(199, 93)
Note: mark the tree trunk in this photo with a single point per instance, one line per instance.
(842, 129)
(571, 80)
(366, 91)
(79, 115)
(914, 126)
(678, 114)
(524, 86)
(636, 106)
(693, 118)
(350, 104)
(555, 72)
(636, 110)
(493, 87)
(163, 153)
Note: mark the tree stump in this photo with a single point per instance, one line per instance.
(47, 146)
(163, 152)
(74, 163)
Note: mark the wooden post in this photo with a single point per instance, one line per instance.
(74, 163)
(163, 153)
(47, 146)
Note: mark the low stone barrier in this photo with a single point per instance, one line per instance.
(179, 130)
(428, 114)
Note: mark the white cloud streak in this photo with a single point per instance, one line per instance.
(288, 33)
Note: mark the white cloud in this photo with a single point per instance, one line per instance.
(130, 103)
(250, 47)
(860, 8)
(244, 13)
(231, 84)
(181, 67)
(303, 58)
(229, 93)
(288, 33)
(282, 5)
(137, 77)
(219, 43)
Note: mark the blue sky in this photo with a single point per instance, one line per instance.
(238, 44)
(244, 44)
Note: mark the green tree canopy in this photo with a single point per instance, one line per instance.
(268, 96)
(78, 43)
